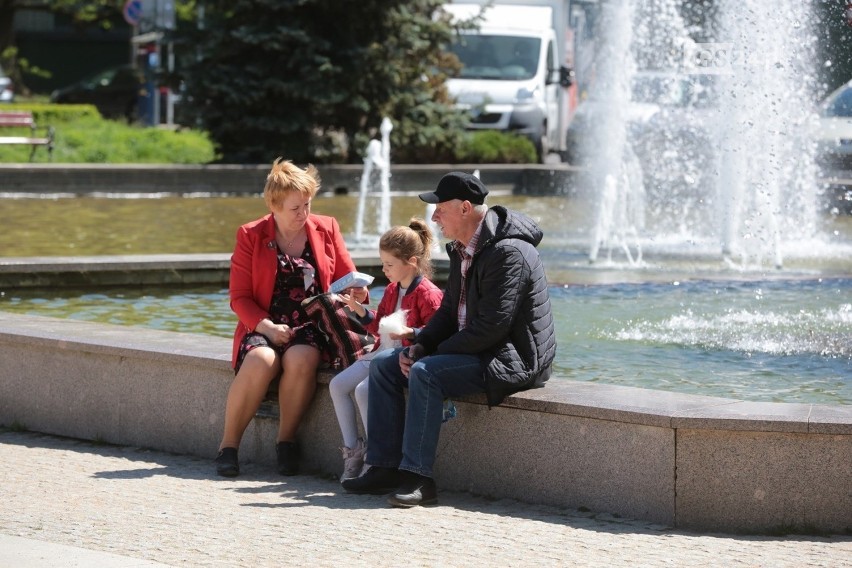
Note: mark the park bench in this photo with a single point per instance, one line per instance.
(17, 119)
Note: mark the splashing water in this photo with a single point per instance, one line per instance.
(378, 159)
(768, 174)
(611, 167)
(724, 159)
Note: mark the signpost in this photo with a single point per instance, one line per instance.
(132, 12)
(151, 20)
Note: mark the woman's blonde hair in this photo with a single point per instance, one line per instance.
(286, 177)
(415, 240)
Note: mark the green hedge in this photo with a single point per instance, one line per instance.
(83, 136)
(495, 147)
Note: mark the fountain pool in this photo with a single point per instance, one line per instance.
(683, 319)
(775, 340)
(742, 292)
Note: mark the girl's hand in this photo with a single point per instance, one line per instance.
(361, 294)
(353, 304)
(407, 333)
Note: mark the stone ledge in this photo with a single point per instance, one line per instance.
(150, 269)
(236, 179)
(684, 460)
(112, 179)
(570, 398)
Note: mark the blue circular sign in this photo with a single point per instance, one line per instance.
(132, 12)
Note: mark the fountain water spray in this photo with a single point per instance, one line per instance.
(736, 176)
(377, 158)
(767, 170)
(611, 169)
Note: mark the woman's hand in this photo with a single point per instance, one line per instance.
(278, 334)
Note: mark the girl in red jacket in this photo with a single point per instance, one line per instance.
(406, 262)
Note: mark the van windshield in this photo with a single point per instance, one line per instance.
(499, 57)
(841, 105)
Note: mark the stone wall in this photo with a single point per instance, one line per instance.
(85, 179)
(682, 460)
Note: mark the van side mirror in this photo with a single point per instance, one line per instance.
(566, 76)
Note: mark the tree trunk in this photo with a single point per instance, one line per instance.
(7, 33)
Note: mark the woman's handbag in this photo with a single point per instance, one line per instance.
(346, 337)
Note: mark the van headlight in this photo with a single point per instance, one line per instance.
(525, 95)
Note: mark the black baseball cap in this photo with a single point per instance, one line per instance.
(457, 185)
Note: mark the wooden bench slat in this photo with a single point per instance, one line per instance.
(12, 123)
(23, 140)
(24, 119)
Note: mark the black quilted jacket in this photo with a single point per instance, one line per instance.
(509, 321)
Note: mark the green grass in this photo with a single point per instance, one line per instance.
(82, 136)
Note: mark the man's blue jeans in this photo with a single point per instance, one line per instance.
(407, 438)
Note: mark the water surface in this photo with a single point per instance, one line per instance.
(776, 341)
(683, 318)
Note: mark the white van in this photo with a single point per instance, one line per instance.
(513, 78)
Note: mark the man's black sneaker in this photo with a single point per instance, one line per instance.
(415, 490)
(374, 481)
(227, 464)
(288, 457)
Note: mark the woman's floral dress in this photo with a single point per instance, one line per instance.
(295, 280)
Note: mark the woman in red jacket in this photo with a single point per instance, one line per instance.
(278, 261)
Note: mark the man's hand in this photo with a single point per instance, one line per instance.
(408, 356)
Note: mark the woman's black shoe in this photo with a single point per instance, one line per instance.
(288, 457)
(227, 464)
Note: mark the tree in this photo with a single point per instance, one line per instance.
(83, 13)
(835, 45)
(285, 78)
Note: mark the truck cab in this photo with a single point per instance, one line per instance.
(512, 77)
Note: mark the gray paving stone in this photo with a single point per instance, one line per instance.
(73, 503)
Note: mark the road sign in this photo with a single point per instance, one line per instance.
(132, 12)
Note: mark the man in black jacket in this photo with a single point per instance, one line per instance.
(492, 334)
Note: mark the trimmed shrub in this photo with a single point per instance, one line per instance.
(84, 137)
(494, 147)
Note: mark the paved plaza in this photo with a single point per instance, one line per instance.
(73, 503)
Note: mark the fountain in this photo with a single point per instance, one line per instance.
(377, 158)
(612, 163)
(377, 164)
(710, 274)
(727, 172)
(771, 198)
(729, 263)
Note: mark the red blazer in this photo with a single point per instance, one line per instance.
(255, 262)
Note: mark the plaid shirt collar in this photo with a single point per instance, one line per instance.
(466, 252)
(466, 255)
